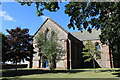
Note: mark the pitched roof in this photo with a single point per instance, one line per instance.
(85, 35)
(54, 23)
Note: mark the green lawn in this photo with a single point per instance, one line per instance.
(75, 73)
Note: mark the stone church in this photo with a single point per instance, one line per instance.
(72, 43)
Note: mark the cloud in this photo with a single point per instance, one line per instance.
(44, 18)
(7, 0)
(6, 16)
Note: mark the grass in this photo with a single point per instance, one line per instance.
(58, 73)
(98, 69)
(64, 69)
(72, 75)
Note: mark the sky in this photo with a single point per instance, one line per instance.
(15, 15)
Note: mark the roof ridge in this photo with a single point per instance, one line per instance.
(85, 35)
(86, 31)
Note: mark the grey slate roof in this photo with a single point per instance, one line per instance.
(85, 35)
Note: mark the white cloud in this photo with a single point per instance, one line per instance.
(6, 16)
(7, 0)
(44, 18)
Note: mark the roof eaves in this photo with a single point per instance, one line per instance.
(58, 25)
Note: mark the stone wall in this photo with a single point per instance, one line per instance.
(61, 36)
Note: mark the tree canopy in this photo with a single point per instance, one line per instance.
(41, 6)
(5, 48)
(19, 42)
(82, 14)
(90, 51)
(49, 48)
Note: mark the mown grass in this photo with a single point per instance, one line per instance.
(73, 75)
(98, 69)
(59, 73)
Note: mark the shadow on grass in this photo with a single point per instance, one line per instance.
(111, 70)
(117, 73)
(14, 73)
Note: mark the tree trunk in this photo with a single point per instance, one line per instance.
(110, 54)
(50, 65)
(94, 65)
(3, 62)
(31, 62)
(40, 61)
(16, 65)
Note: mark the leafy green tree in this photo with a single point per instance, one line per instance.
(90, 51)
(81, 13)
(52, 48)
(19, 41)
(40, 40)
(41, 6)
(103, 15)
(111, 36)
(49, 48)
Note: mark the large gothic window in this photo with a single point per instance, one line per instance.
(54, 35)
(48, 34)
(98, 49)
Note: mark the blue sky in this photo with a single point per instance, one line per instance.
(14, 15)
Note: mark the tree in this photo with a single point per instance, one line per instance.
(111, 36)
(40, 40)
(41, 6)
(49, 48)
(103, 15)
(5, 48)
(0, 45)
(52, 49)
(90, 51)
(81, 13)
(19, 41)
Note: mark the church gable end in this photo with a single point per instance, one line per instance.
(50, 25)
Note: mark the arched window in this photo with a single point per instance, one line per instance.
(54, 35)
(98, 55)
(50, 34)
(98, 47)
(47, 34)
